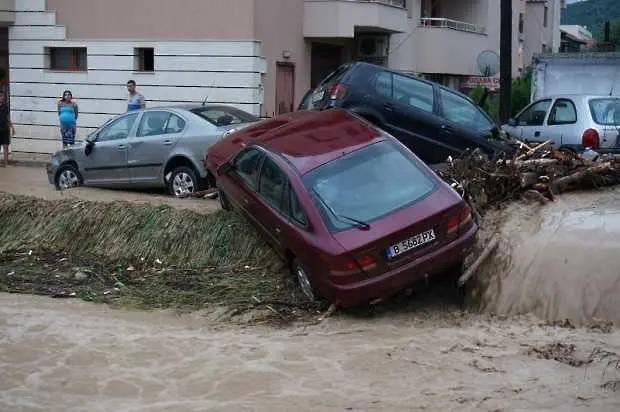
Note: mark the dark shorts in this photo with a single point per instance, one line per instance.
(68, 135)
(5, 137)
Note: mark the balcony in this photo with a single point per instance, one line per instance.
(450, 48)
(342, 18)
(7, 12)
(442, 23)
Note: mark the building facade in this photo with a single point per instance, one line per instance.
(258, 55)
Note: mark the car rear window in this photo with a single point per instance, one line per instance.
(336, 75)
(224, 115)
(606, 111)
(367, 184)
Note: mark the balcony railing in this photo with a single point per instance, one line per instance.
(394, 3)
(452, 24)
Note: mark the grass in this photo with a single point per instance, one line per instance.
(127, 231)
(140, 255)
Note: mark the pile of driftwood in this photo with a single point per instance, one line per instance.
(536, 172)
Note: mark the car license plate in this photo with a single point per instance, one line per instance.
(318, 96)
(411, 243)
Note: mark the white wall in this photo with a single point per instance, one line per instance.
(228, 72)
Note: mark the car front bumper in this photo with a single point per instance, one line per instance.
(398, 279)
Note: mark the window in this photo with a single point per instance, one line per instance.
(175, 124)
(461, 111)
(413, 93)
(606, 111)
(117, 129)
(67, 58)
(563, 112)
(294, 207)
(383, 84)
(535, 114)
(144, 59)
(246, 166)
(155, 123)
(383, 177)
(224, 115)
(546, 16)
(272, 184)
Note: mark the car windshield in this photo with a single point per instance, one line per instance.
(606, 111)
(224, 116)
(367, 184)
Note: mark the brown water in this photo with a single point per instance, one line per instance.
(74, 356)
(560, 261)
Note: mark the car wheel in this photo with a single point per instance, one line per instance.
(67, 177)
(302, 275)
(183, 182)
(224, 202)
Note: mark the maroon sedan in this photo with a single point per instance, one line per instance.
(356, 214)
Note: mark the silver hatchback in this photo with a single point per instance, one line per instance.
(156, 147)
(576, 121)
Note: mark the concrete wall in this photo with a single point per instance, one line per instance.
(155, 19)
(279, 26)
(228, 71)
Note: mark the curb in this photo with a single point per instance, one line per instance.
(28, 163)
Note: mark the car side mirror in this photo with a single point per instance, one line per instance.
(512, 122)
(225, 168)
(88, 149)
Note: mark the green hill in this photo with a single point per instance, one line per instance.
(591, 13)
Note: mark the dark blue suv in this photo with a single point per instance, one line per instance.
(433, 121)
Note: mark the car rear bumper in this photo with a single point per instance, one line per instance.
(400, 278)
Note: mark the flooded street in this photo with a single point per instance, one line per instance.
(73, 356)
(560, 261)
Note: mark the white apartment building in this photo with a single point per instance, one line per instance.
(258, 55)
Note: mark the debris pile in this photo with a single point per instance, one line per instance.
(537, 172)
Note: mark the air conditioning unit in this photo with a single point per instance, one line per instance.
(372, 46)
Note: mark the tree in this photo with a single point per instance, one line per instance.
(519, 96)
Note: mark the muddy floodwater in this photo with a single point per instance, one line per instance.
(74, 356)
(554, 263)
(560, 261)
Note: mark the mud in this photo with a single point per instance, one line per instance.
(559, 261)
(32, 181)
(74, 356)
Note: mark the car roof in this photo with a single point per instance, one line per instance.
(191, 106)
(575, 96)
(309, 139)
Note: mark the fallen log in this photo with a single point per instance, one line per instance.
(528, 179)
(561, 184)
(540, 147)
(527, 164)
(490, 247)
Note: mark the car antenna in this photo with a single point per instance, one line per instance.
(206, 99)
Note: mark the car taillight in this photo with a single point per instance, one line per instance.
(590, 139)
(459, 220)
(337, 92)
(351, 266)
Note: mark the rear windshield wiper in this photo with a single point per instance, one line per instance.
(359, 223)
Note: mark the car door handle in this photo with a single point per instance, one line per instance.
(447, 128)
(389, 107)
(122, 147)
(278, 230)
(246, 201)
(536, 134)
(167, 142)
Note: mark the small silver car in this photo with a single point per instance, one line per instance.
(575, 121)
(155, 147)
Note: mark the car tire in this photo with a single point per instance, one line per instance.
(224, 202)
(183, 182)
(303, 278)
(68, 177)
